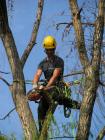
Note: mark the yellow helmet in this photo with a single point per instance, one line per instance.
(49, 42)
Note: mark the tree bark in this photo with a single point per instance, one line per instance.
(47, 121)
(79, 32)
(91, 69)
(18, 89)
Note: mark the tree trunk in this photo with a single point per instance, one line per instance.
(91, 69)
(18, 88)
(91, 85)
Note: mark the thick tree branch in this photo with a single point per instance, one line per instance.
(18, 89)
(34, 33)
(79, 32)
(98, 35)
(91, 78)
(7, 38)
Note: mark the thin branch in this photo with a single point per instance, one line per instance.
(7, 115)
(67, 75)
(5, 81)
(42, 80)
(71, 23)
(96, 3)
(71, 74)
(66, 137)
(101, 134)
(4, 72)
(63, 23)
(102, 84)
(74, 73)
(34, 33)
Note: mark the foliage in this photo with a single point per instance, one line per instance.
(11, 137)
(3, 138)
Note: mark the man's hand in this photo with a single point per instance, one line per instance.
(41, 87)
(35, 85)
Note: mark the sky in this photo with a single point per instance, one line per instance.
(21, 20)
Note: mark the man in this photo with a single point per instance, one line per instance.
(52, 67)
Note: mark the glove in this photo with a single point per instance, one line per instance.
(35, 85)
(41, 87)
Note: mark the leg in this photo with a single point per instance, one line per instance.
(75, 104)
(67, 102)
(71, 103)
(63, 98)
(42, 110)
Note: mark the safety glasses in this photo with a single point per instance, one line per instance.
(49, 50)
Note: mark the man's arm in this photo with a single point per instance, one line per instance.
(54, 77)
(37, 77)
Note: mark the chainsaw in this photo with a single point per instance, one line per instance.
(36, 94)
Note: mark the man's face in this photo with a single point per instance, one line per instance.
(50, 52)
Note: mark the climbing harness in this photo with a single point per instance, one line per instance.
(36, 95)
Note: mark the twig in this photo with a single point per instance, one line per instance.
(68, 24)
(8, 114)
(62, 137)
(4, 72)
(74, 73)
(102, 84)
(4, 81)
(71, 23)
(101, 134)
